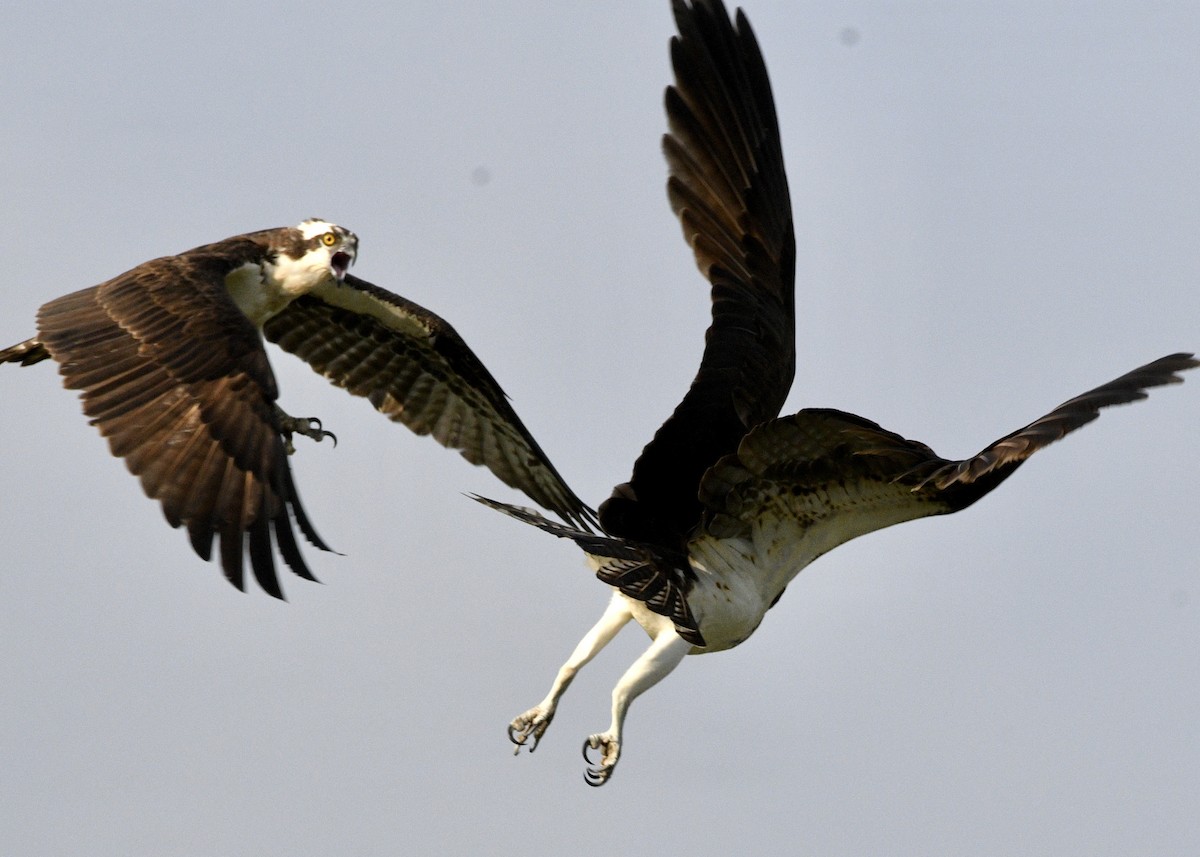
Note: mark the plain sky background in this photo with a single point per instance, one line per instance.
(997, 207)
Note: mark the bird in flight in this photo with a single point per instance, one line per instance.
(171, 365)
(729, 502)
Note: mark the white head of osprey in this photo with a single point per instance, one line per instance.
(300, 259)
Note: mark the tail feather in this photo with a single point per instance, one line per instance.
(658, 578)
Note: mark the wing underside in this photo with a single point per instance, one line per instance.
(415, 369)
(827, 477)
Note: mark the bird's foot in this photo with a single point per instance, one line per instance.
(597, 773)
(310, 427)
(533, 723)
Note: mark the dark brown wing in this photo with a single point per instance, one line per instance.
(975, 476)
(729, 189)
(417, 370)
(177, 380)
(832, 476)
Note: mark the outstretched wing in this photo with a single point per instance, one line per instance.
(729, 189)
(991, 465)
(177, 380)
(807, 483)
(414, 368)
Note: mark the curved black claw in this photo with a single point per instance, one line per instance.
(315, 431)
(597, 773)
(521, 738)
(532, 724)
(310, 427)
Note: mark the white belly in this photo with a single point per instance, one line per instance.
(728, 598)
(732, 591)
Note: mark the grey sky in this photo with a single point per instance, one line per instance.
(997, 207)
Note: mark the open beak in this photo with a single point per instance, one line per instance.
(340, 263)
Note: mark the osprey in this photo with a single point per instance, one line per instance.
(728, 503)
(170, 360)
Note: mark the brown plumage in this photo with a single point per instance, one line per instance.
(172, 370)
(175, 376)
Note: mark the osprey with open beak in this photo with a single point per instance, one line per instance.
(170, 361)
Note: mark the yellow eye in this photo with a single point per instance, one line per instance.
(328, 239)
